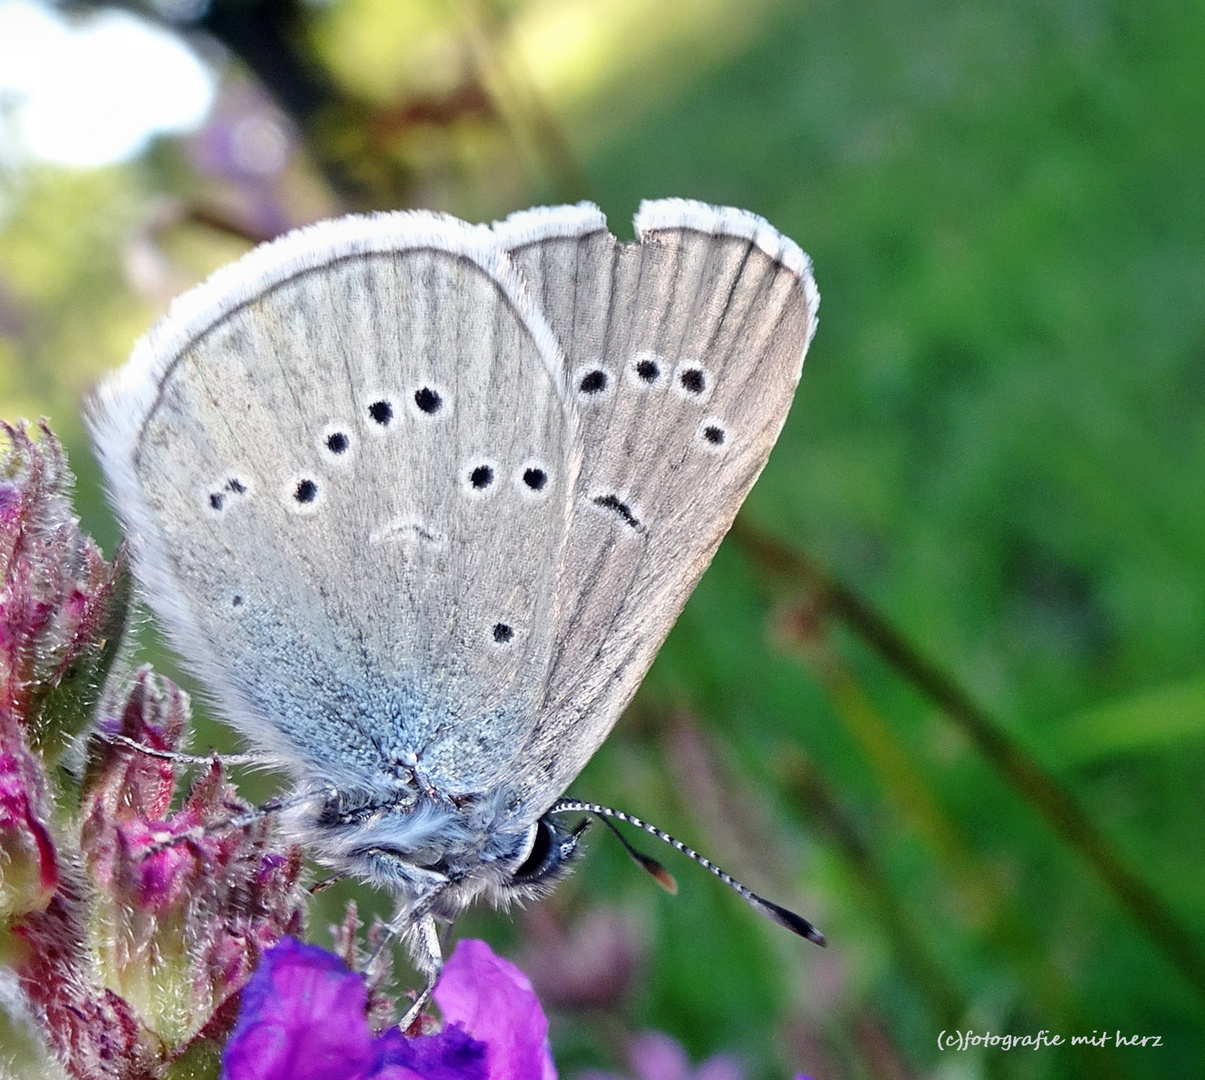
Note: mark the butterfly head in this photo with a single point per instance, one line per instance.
(438, 853)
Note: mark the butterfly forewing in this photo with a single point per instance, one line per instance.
(682, 354)
(349, 477)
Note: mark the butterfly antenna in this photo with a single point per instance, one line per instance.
(781, 915)
(646, 862)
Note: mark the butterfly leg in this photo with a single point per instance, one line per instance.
(175, 756)
(423, 939)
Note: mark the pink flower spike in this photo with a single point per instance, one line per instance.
(126, 929)
(62, 607)
(29, 874)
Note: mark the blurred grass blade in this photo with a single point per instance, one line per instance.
(1144, 722)
(1033, 783)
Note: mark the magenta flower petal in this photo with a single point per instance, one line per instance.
(453, 1054)
(302, 1017)
(494, 1002)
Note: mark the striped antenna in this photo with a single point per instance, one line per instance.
(781, 915)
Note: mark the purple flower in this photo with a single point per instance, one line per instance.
(304, 1017)
(242, 154)
(494, 1002)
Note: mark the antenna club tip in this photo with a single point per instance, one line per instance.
(665, 879)
(797, 924)
(658, 872)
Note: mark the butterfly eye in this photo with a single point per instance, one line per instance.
(539, 844)
(548, 853)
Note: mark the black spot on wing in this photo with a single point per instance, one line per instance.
(617, 506)
(593, 382)
(428, 400)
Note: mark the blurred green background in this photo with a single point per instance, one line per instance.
(943, 690)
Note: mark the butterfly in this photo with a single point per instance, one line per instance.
(418, 501)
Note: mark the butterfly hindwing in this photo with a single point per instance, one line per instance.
(682, 353)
